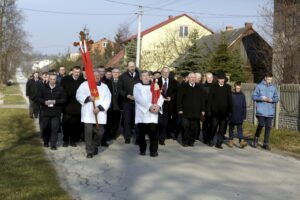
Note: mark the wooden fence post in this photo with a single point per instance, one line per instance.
(277, 110)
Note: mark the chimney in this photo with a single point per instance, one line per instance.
(170, 17)
(248, 24)
(229, 28)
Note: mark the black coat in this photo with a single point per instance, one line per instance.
(206, 89)
(126, 83)
(219, 101)
(72, 106)
(190, 100)
(171, 92)
(238, 113)
(32, 88)
(116, 100)
(58, 94)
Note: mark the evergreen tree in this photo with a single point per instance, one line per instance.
(193, 58)
(222, 59)
(130, 49)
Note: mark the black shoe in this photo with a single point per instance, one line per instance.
(266, 147)
(89, 155)
(162, 142)
(219, 146)
(65, 144)
(142, 153)
(53, 148)
(127, 141)
(205, 142)
(46, 144)
(105, 144)
(154, 154)
(95, 151)
(210, 143)
(73, 144)
(255, 142)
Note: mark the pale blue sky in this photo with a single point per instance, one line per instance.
(54, 33)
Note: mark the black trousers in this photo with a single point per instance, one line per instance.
(128, 116)
(164, 121)
(112, 125)
(219, 126)
(50, 128)
(151, 130)
(207, 128)
(189, 131)
(34, 108)
(197, 136)
(72, 127)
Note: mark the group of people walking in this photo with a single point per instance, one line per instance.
(139, 103)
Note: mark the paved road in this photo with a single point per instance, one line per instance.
(197, 173)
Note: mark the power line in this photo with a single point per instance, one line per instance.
(216, 17)
(73, 13)
(181, 11)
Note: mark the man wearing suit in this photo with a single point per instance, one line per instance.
(114, 112)
(71, 124)
(168, 91)
(125, 87)
(190, 105)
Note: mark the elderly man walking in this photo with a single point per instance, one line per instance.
(51, 97)
(190, 104)
(219, 107)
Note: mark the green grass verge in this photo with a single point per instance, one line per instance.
(281, 139)
(13, 99)
(26, 173)
(8, 90)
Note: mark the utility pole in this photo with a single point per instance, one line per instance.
(138, 47)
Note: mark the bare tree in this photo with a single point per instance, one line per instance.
(281, 23)
(122, 34)
(13, 43)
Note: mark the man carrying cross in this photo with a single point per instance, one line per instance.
(94, 99)
(91, 115)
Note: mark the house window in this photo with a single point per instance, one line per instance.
(183, 31)
(104, 44)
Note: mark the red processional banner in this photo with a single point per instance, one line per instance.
(155, 90)
(89, 69)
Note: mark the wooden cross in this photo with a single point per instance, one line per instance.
(83, 38)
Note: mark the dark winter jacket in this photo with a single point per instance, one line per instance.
(206, 89)
(70, 85)
(58, 94)
(190, 101)
(219, 101)
(32, 88)
(238, 113)
(126, 83)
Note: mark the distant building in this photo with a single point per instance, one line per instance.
(74, 56)
(155, 51)
(286, 49)
(101, 46)
(38, 65)
(256, 53)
